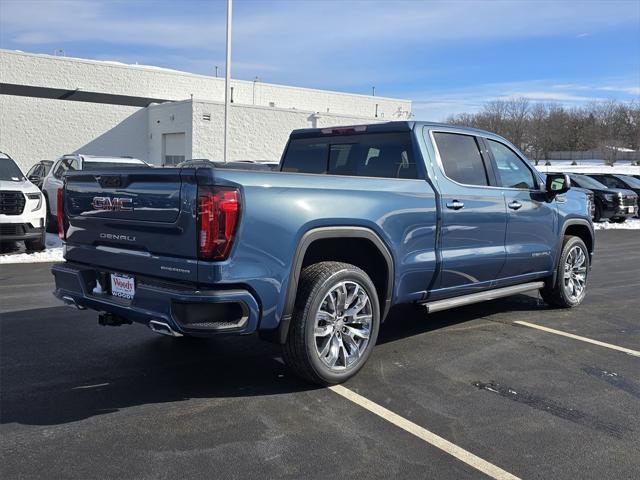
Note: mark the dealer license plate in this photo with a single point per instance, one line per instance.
(632, 209)
(122, 286)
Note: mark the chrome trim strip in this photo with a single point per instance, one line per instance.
(138, 253)
(470, 134)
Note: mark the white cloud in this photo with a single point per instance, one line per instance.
(438, 105)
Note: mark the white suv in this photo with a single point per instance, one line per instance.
(22, 207)
(55, 178)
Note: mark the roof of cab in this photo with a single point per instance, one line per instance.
(386, 127)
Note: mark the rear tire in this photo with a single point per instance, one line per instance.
(335, 323)
(571, 276)
(51, 220)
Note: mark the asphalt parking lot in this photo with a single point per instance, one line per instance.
(83, 401)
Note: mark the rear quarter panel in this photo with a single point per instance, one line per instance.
(279, 208)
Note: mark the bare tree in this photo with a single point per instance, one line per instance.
(538, 128)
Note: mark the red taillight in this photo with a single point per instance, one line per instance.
(60, 213)
(218, 212)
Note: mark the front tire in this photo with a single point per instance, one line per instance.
(38, 244)
(618, 219)
(571, 275)
(335, 323)
(598, 213)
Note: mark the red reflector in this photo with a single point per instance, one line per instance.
(218, 212)
(60, 213)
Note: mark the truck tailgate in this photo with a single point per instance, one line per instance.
(138, 221)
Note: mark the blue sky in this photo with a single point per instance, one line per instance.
(448, 57)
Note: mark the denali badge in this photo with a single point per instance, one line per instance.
(115, 236)
(116, 204)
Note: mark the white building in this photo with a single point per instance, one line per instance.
(53, 105)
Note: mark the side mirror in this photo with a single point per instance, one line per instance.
(557, 183)
(34, 178)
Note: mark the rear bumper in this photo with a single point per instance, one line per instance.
(187, 311)
(19, 231)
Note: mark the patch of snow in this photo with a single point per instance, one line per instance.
(53, 253)
(630, 224)
(617, 169)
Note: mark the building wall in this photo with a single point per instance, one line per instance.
(262, 114)
(172, 117)
(256, 133)
(152, 82)
(33, 129)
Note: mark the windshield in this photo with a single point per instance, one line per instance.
(629, 180)
(9, 171)
(111, 165)
(588, 182)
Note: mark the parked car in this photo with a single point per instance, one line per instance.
(22, 207)
(613, 204)
(312, 256)
(614, 180)
(38, 171)
(68, 163)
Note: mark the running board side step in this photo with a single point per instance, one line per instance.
(447, 303)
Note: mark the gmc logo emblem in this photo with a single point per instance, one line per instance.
(116, 204)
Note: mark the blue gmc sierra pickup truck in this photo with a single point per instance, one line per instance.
(313, 254)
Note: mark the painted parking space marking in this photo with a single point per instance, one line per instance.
(431, 438)
(628, 351)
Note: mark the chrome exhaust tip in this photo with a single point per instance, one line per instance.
(163, 328)
(70, 302)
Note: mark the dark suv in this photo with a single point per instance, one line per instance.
(614, 204)
(615, 180)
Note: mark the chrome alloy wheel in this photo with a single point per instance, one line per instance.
(343, 325)
(575, 273)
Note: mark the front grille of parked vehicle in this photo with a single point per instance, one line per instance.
(628, 201)
(11, 203)
(11, 229)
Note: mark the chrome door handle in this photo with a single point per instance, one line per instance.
(515, 205)
(455, 205)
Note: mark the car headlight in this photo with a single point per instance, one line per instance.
(35, 196)
(609, 197)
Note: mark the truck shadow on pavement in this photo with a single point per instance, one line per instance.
(78, 370)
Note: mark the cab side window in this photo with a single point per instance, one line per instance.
(461, 159)
(512, 170)
(65, 165)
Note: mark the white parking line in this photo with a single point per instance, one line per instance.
(422, 433)
(578, 337)
(84, 387)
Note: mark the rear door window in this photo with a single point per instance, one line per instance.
(386, 155)
(461, 158)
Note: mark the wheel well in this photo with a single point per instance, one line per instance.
(360, 252)
(584, 233)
